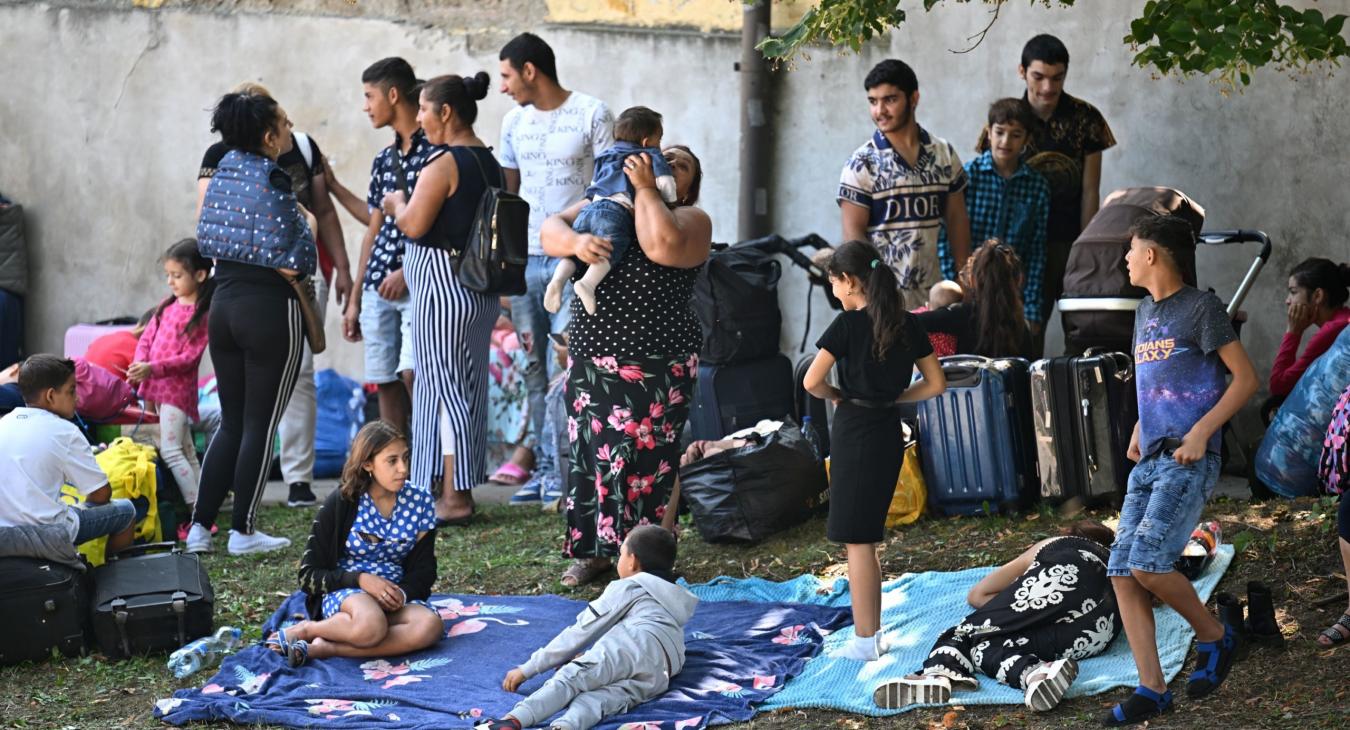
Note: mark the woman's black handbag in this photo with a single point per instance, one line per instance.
(493, 260)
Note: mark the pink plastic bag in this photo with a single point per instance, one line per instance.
(101, 395)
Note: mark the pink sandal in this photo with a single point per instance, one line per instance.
(510, 474)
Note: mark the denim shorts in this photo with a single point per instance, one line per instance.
(104, 519)
(386, 330)
(1162, 506)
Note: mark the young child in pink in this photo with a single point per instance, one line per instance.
(167, 357)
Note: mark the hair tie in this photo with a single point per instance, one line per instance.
(875, 262)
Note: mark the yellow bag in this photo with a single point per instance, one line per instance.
(911, 492)
(131, 473)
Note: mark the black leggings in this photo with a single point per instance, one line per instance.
(256, 343)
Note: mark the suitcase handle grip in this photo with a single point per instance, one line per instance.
(132, 551)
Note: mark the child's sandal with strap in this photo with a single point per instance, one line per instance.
(1138, 707)
(1213, 659)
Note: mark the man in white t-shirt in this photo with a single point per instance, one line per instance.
(548, 150)
(41, 450)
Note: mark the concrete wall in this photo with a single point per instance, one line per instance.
(105, 121)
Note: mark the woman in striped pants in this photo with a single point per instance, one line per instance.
(452, 325)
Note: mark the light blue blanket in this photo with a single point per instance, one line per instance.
(916, 609)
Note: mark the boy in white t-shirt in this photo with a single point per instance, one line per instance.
(41, 450)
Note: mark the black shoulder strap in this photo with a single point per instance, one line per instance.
(400, 179)
(483, 172)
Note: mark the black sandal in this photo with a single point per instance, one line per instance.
(1334, 636)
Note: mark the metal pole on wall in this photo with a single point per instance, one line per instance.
(756, 140)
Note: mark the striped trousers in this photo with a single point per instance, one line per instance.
(256, 343)
(452, 329)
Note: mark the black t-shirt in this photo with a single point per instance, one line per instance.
(861, 375)
(293, 163)
(959, 320)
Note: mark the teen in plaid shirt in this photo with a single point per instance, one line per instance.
(1009, 201)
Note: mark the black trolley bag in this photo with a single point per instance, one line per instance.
(148, 601)
(809, 406)
(1084, 412)
(43, 606)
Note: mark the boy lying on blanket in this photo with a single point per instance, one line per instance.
(635, 632)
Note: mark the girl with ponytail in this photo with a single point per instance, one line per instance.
(453, 324)
(990, 320)
(876, 344)
(1318, 290)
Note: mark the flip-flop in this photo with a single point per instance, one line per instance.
(510, 474)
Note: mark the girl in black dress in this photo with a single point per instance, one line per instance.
(877, 344)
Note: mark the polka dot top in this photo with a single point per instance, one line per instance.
(643, 310)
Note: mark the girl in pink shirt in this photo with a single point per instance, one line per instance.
(1318, 289)
(167, 357)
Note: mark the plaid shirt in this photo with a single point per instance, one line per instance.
(1014, 211)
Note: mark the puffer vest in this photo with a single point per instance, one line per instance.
(248, 220)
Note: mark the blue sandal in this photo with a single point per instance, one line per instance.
(1138, 707)
(298, 653)
(1213, 659)
(279, 644)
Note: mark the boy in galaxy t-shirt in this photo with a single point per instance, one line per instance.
(1183, 339)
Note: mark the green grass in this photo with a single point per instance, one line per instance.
(1290, 545)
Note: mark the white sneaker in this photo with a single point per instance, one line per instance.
(199, 539)
(258, 542)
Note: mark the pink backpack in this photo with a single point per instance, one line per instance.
(101, 395)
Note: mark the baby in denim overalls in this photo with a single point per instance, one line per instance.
(610, 213)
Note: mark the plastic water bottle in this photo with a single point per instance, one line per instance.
(1200, 550)
(204, 652)
(812, 438)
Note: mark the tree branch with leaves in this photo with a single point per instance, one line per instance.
(1182, 37)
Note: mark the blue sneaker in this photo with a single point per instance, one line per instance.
(552, 492)
(527, 494)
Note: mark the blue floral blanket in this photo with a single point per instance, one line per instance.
(739, 654)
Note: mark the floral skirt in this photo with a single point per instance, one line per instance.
(623, 426)
(508, 397)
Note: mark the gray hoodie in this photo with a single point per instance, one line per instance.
(629, 613)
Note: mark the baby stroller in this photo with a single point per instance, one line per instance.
(1097, 307)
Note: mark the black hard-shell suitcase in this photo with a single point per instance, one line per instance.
(43, 606)
(1085, 410)
(732, 397)
(809, 406)
(149, 602)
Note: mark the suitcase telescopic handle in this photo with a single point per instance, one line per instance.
(1214, 238)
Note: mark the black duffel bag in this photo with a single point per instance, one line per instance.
(736, 302)
(749, 493)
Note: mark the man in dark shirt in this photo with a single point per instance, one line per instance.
(1066, 147)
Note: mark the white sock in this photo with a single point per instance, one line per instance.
(863, 649)
(585, 286)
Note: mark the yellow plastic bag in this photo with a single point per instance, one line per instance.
(911, 493)
(131, 473)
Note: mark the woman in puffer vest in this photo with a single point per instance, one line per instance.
(251, 224)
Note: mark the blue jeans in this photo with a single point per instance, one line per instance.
(608, 219)
(534, 324)
(1162, 506)
(104, 519)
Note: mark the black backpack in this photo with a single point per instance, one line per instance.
(736, 301)
(493, 260)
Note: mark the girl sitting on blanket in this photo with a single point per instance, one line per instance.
(1034, 619)
(370, 561)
